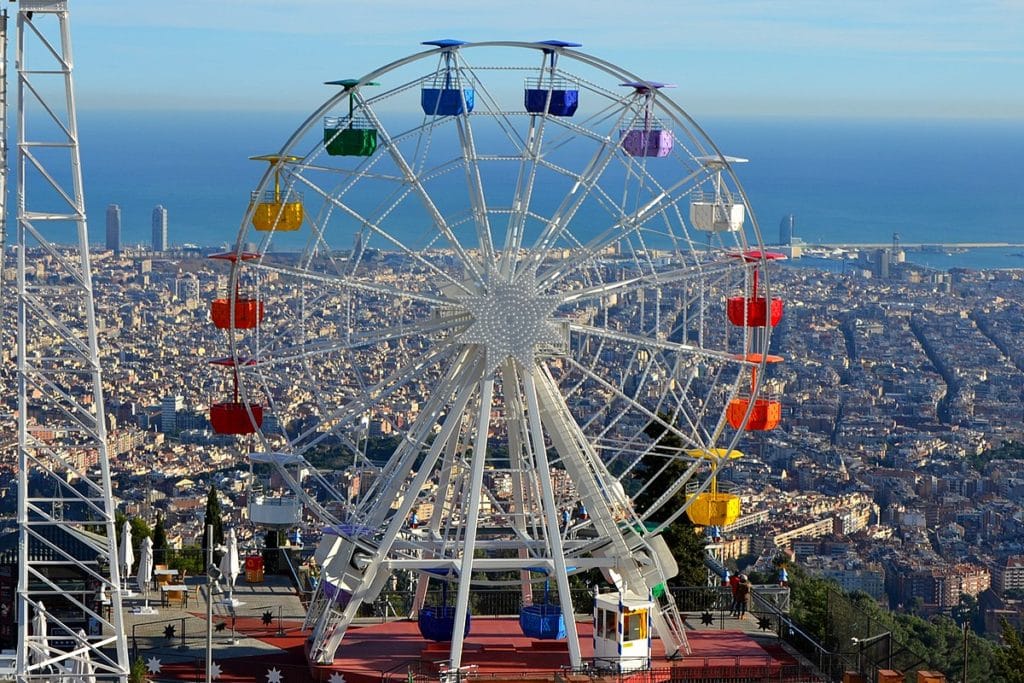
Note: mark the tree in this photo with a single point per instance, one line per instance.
(160, 541)
(213, 517)
(139, 673)
(1010, 658)
(686, 544)
(140, 530)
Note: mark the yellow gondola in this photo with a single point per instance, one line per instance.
(273, 212)
(712, 508)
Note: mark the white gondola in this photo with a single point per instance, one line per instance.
(275, 511)
(717, 211)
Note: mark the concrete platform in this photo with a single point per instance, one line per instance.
(262, 640)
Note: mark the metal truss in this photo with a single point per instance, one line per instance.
(67, 541)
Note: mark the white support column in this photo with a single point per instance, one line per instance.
(550, 514)
(476, 480)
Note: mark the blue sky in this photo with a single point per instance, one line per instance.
(893, 58)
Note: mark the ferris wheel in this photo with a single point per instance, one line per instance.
(519, 267)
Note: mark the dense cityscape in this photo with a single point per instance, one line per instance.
(896, 380)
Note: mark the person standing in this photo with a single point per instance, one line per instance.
(734, 582)
(783, 576)
(742, 596)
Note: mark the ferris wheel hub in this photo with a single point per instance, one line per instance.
(511, 320)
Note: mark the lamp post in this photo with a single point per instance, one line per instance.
(861, 642)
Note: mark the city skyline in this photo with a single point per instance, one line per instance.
(794, 58)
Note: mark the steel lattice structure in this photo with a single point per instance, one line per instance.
(67, 543)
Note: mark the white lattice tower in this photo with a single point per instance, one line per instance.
(67, 542)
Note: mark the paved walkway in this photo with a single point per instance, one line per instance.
(264, 619)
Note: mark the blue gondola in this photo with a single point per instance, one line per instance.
(549, 94)
(543, 620)
(444, 97)
(437, 622)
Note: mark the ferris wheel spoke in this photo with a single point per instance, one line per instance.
(521, 197)
(474, 182)
(622, 228)
(413, 179)
(623, 396)
(572, 202)
(319, 348)
(403, 376)
(375, 228)
(654, 343)
(649, 279)
(346, 282)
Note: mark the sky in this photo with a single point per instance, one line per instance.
(864, 58)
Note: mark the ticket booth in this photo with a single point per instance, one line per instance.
(622, 631)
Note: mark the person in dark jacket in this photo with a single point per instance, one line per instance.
(742, 595)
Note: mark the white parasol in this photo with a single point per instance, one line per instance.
(229, 565)
(41, 652)
(80, 668)
(126, 555)
(145, 573)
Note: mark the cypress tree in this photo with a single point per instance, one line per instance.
(160, 541)
(213, 516)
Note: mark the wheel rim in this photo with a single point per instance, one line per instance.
(546, 313)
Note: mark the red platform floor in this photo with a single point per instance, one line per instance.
(495, 648)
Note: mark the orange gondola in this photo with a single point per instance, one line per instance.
(767, 408)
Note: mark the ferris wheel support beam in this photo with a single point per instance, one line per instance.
(62, 434)
(331, 629)
(555, 549)
(476, 482)
(518, 437)
(600, 501)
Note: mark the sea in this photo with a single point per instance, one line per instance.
(845, 181)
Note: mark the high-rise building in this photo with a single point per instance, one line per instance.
(169, 407)
(114, 228)
(787, 229)
(159, 228)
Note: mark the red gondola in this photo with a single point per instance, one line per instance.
(248, 310)
(233, 417)
(754, 310)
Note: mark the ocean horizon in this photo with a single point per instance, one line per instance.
(845, 180)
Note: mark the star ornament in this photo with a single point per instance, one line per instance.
(267, 618)
(764, 623)
(169, 631)
(707, 618)
(336, 678)
(215, 671)
(510, 320)
(274, 676)
(153, 665)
